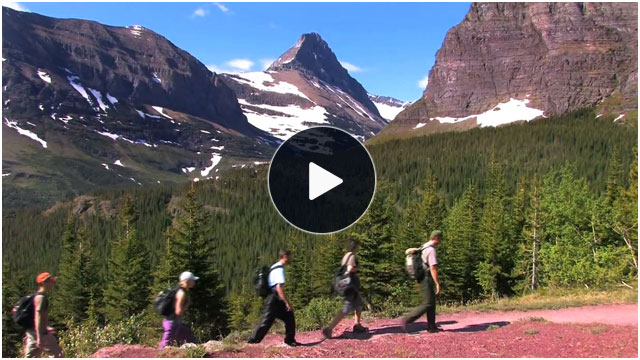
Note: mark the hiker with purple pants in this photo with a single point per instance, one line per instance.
(175, 332)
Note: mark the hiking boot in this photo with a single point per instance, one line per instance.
(357, 328)
(327, 333)
(293, 343)
(433, 329)
(405, 325)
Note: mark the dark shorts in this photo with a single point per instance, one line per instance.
(352, 303)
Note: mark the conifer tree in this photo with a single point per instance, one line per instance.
(496, 245)
(459, 249)
(325, 262)
(626, 213)
(127, 290)
(298, 270)
(77, 276)
(374, 232)
(189, 247)
(431, 210)
(11, 333)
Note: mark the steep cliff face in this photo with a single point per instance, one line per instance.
(306, 86)
(534, 58)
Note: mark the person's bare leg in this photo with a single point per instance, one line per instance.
(356, 317)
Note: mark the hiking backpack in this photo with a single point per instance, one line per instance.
(165, 301)
(414, 264)
(261, 280)
(343, 282)
(23, 312)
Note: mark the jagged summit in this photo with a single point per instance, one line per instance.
(311, 55)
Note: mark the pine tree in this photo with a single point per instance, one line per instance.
(189, 247)
(374, 233)
(11, 333)
(431, 210)
(496, 245)
(77, 276)
(325, 261)
(127, 288)
(458, 250)
(614, 177)
(626, 213)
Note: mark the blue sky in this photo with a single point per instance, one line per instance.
(391, 46)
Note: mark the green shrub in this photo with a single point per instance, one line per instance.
(197, 351)
(317, 314)
(84, 339)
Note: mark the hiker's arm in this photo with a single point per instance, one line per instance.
(280, 292)
(180, 298)
(434, 275)
(37, 318)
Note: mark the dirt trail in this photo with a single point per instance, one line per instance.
(590, 331)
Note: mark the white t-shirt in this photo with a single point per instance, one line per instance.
(276, 276)
(429, 255)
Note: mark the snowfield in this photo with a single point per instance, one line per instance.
(389, 112)
(258, 79)
(503, 113)
(284, 126)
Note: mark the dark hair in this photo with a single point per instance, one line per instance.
(284, 253)
(352, 245)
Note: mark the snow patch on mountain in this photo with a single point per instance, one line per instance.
(75, 82)
(501, 114)
(44, 76)
(27, 133)
(160, 111)
(258, 79)
(215, 160)
(291, 120)
(98, 97)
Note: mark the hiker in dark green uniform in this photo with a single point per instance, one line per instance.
(429, 287)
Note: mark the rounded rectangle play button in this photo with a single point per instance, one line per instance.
(321, 180)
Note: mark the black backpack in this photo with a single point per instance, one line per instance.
(23, 312)
(418, 268)
(261, 280)
(165, 301)
(344, 283)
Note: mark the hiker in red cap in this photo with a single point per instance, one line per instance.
(41, 337)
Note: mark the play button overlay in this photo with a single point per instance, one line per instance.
(321, 180)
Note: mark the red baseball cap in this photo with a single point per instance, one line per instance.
(42, 277)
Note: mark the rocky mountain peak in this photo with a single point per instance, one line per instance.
(312, 56)
(537, 58)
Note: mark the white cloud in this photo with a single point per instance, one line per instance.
(350, 67)
(266, 63)
(422, 84)
(214, 68)
(241, 64)
(222, 8)
(235, 66)
(14, 5)
(200, 12)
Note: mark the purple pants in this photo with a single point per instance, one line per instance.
(175, 333)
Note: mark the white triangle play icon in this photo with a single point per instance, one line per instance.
(321, 181)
